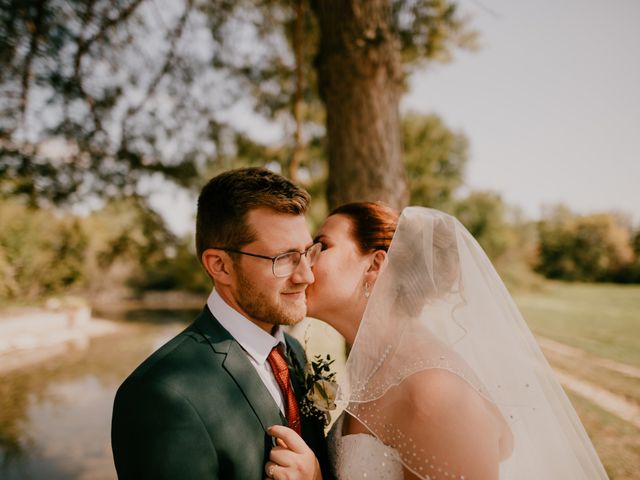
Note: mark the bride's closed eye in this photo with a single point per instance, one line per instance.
(321, 241)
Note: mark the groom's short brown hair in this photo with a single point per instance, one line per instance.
(225, 202)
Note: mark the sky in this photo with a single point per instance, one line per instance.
(550, 103)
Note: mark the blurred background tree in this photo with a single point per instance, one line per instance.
(485, 216)
(435, 158)
(39, 252)
(366, 49)
(594, 247)
(123, 246)
(96, 94)
(101, 99)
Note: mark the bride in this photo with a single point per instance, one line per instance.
(444, 380)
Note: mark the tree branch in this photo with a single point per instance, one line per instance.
(170, 57)
(85, 45)
(297, 101)
(175, 35)
(36, 28)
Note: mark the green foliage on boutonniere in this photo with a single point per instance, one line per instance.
(320, 389)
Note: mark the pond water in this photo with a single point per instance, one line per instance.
(55, 417)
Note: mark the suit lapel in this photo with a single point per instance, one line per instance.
(295, 366)
(252, 386)
(240, 369)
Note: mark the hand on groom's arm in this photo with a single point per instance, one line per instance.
(157, 434)
(291, 458)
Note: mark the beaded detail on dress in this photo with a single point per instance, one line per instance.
(361, 456)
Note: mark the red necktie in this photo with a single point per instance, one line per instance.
(281, 372)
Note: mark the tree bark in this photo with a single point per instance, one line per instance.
(361, 80)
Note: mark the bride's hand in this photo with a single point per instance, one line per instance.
(291, 458)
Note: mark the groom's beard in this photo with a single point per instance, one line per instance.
(258, 305)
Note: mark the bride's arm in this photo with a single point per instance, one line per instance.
(453, 425)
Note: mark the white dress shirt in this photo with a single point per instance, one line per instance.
(255, 342)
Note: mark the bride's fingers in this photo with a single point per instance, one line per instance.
(293, 458)
(270, 469)
(291, 439)
(284, 457)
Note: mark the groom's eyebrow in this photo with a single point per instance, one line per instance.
(296, 250)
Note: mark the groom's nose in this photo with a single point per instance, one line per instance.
(303, 273)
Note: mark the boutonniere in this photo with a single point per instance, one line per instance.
(320, 389)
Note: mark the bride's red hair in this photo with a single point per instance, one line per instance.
(374, 224)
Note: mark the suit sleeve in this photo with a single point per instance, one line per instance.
(157, 434)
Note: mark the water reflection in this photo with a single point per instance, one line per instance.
(55, 417)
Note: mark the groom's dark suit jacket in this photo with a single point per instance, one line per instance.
(197, 409)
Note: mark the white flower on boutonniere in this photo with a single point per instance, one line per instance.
(323, 395)
(320, 389)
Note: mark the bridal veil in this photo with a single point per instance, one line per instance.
(440, 338)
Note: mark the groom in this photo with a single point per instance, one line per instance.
(199, 407)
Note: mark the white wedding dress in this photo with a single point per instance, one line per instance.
(361, 456)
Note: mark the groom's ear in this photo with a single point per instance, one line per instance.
(218, 265)
(375, 264)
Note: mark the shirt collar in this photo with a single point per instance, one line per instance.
(254, 340)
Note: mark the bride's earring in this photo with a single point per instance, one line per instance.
(366, 290)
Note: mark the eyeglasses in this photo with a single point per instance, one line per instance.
(286, 263)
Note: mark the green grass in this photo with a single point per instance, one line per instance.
(613, 381)
(616, 441)
(601, 319)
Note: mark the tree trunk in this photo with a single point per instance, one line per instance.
(361, 80)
